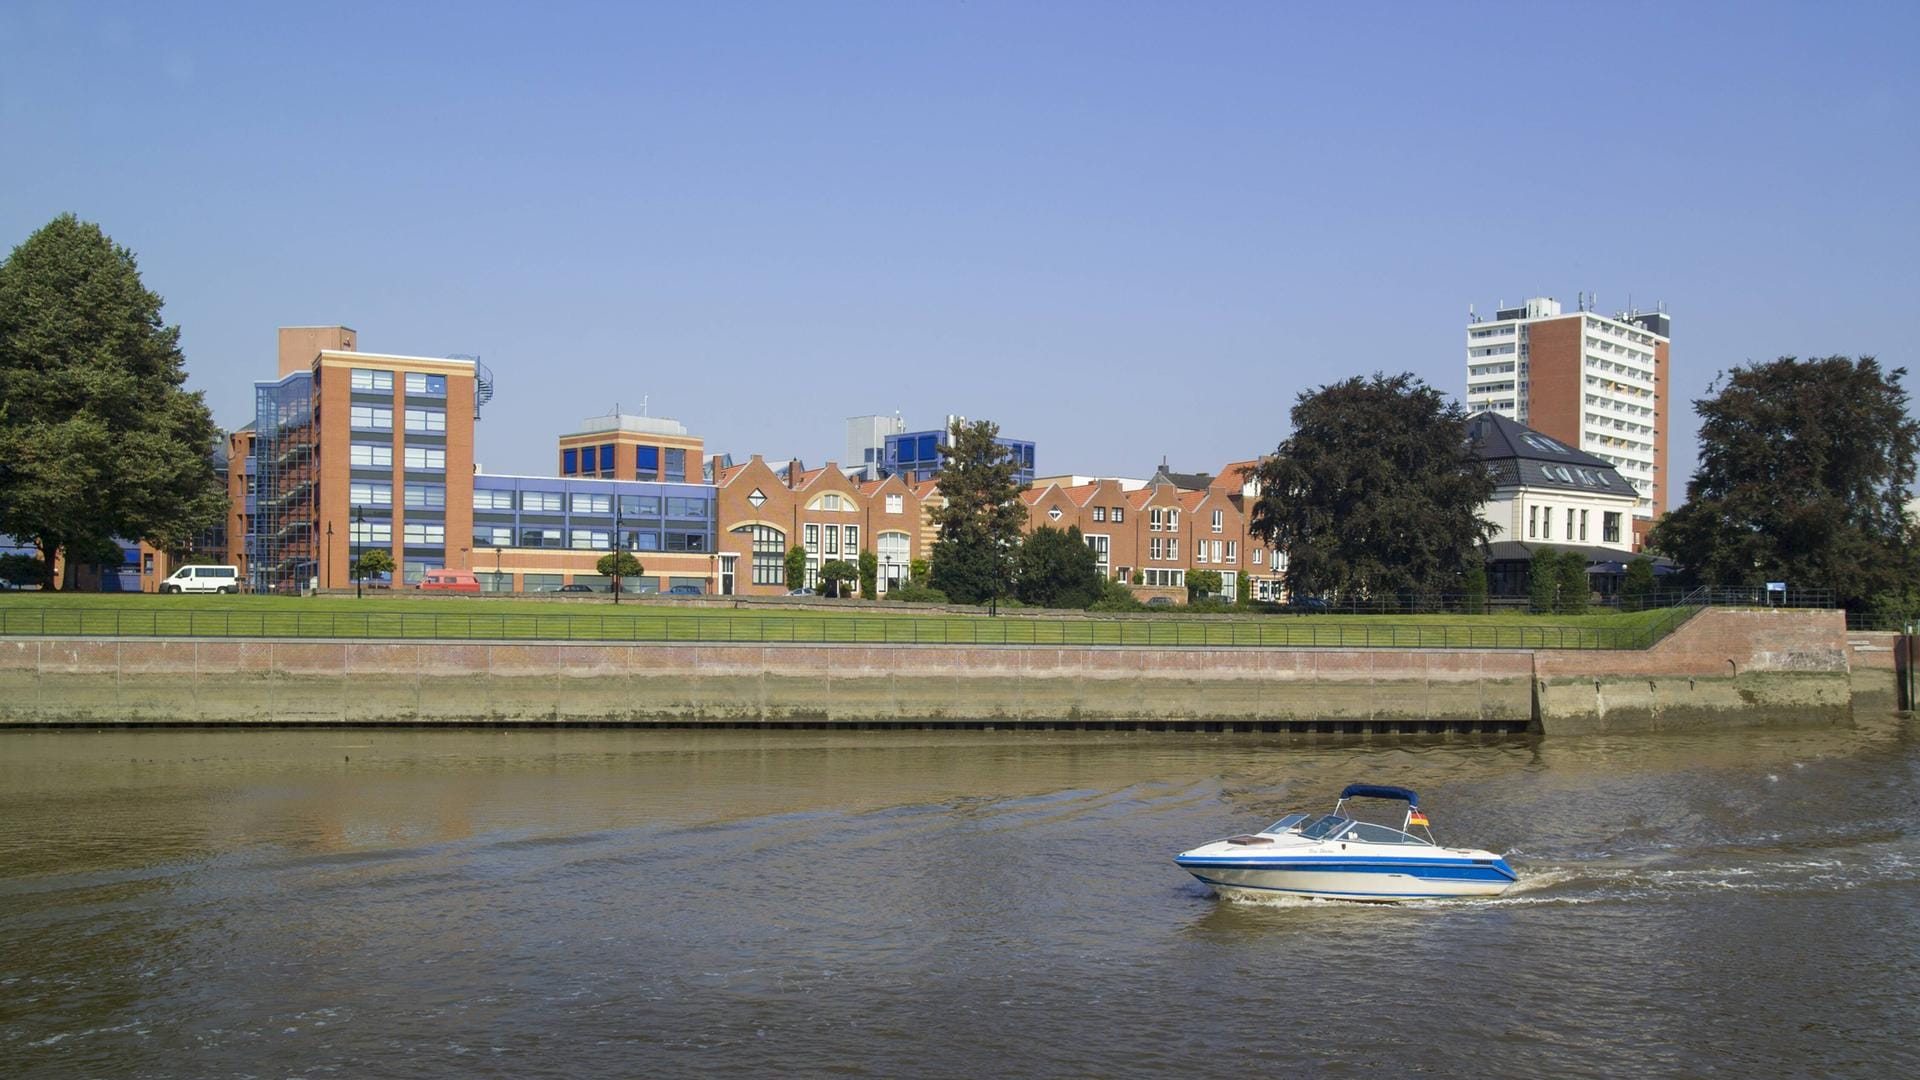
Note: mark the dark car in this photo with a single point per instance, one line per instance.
(576, 587)
(1159, 601)
(686, 590)
(1309, 605)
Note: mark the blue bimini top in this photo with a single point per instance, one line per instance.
(1380, 791)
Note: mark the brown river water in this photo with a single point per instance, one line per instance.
(411, 903)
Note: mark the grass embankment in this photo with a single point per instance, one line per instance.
(531, 619)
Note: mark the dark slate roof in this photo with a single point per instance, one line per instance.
(1191, 481)
(1513, 550)
(1517, 455)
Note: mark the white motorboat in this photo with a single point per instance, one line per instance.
(1336, 857)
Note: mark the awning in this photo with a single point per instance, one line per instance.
(1378, 791)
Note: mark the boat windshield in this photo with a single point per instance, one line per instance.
(1325, 827)
(1368, 833)
(1285, 823)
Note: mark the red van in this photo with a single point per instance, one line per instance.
(449, 581)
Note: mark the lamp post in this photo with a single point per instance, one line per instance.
(359, 537)
(329, 556)
(618, 546)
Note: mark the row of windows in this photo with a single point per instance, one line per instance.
(676, 540)
(1540, 525)
(813, 536)
(380, 456)
(380, 418)
(1169, 548)
(555, 502)
(1158, 519)
(1227, 552)
(601, 461)
(416, 496)
(417, 383)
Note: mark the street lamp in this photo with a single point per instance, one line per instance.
(618, 546)
(359, 537)
(329, 570)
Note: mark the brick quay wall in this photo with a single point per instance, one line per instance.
(1724, 667)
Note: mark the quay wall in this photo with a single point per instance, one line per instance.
(1722, 667)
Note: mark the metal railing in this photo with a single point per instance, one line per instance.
(158, 622)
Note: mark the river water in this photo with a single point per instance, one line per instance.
(600, 903)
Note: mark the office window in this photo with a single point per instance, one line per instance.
(1219, 521)
(370, 532)
(427, 458)
(425, 534)
(643, 540)
(542, 502)
(540, 538)
(413, 571)
(493, 536)
(639, 506)
(426, 496)
(592, 504)
(647, 463)
(492, 500)
(432, 421)
(364, 379)
(592, 539)
(422, 385)
(369, 493)
(370, 417)
(691, 509)
(606, 458)
(370, 455)
(681, 540)
(676, 464)
(895, 504)
(569, 462)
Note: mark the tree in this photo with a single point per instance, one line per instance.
(1574, 586)
(981, 521)
(869, 575)
(1543, 581)
(917, 570)
(372, 563)
(1243, 589)
(17, 569)
(98, 437)
(1636, 587)
(1804, 470)
(1056, 569)
(1376, 493)
(1202, 584)
(796, 567)
(836, 573)
(1473, 589)
(617, 565)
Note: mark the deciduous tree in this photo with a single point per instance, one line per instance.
(1377, 493)
(1057, 569)
(1805, 467)
(617, 565)
(98, 436)
(869, 575)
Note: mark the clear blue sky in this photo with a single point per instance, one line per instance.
(1123, 230)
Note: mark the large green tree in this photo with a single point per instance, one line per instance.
(1805, 467)
(1057, 569)
(981, 521)
(1376, 493)
(98, 437)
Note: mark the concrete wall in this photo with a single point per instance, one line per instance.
(1723, 667)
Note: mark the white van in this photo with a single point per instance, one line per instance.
(215, 579)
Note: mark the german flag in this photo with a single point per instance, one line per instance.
(1416, 816)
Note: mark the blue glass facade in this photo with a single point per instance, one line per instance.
(915, 456)
(583, 515)
(285, 482)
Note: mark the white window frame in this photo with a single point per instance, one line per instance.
(426, 459)
(425, 534)
(369, 493)
(370, 417)
(896, 504)
(1219, 521)
(428, 421)
(370, 379)
(370, 455)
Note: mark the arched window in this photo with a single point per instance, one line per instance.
(895, 553)
(769, 553)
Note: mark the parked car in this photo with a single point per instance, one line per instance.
(1309, 605)
(686, 590)
(449, 581)
(1159, 601)
(203, 579)
(575, 586)
(801, 592)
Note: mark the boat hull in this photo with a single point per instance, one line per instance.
(1379, 881)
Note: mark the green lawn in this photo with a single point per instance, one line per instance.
(497, 619)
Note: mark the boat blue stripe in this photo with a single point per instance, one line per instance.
(1323, 892)
(1455, 871)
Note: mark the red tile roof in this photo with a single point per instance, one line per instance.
(1233, 475)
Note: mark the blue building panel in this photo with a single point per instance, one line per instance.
(542, 512)
(915, 456)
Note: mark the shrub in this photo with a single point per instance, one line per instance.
(1575, 588)
(1115, 596)
(869, 575)
(796, 567)
(915, 593)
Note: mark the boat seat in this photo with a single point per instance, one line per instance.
(1249, 839)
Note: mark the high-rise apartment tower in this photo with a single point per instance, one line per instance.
(1598, 383)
